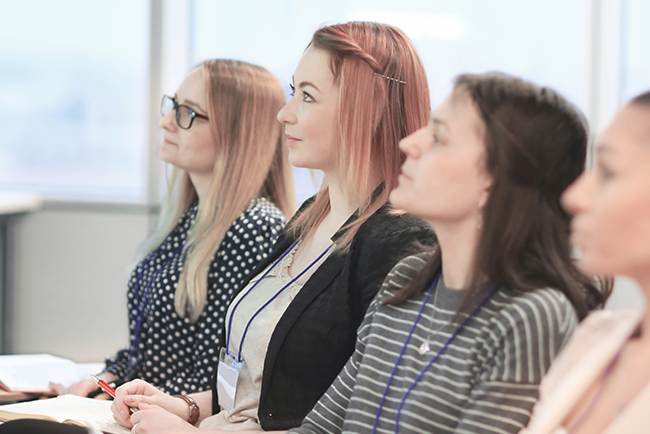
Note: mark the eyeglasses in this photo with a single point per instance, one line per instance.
(184, 114)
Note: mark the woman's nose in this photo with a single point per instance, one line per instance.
(287, 114)
(168, 122)
(410, 144)
(576, 197)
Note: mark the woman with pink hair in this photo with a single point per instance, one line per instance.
(358, 89)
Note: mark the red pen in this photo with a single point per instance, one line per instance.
(104, 385)
(108, 389)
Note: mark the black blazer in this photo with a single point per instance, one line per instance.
(316, 335)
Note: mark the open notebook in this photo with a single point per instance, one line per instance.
(33, 372)
(72, 409)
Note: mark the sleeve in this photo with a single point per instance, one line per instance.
(118, 365)
(378, 253)
(248, 241)
(328, 415)
(527, 336)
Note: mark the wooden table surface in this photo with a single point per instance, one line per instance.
(7, 397)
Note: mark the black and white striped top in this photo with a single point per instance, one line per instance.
(485, 382)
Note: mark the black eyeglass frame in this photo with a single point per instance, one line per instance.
(193, 114)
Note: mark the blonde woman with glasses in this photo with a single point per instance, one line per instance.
(230, 190)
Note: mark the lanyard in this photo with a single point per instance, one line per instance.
(438, 354)
(232, 313)
(139, 306)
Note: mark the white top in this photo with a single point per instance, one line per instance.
(249, 384)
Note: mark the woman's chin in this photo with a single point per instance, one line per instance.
(397, 199)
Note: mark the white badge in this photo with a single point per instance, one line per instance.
(227, 375)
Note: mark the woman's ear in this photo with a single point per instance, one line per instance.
(485, 192)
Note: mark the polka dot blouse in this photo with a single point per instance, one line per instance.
(174, 354)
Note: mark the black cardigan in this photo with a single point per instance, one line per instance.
(317, 333)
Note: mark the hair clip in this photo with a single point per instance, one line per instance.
(390, 78)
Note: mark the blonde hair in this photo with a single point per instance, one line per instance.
(374, 114)
(243, 100)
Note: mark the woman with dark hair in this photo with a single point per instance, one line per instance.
(600, 383)
(358, 88)
(459, 339)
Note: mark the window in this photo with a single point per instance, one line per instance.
(74, 76)
(73, 97)
(544, 41)
(635, 57)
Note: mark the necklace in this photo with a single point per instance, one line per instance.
(433, 360)
(425, 347)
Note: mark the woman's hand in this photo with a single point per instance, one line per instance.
(134, 394)
(154, 419)
(81, 388)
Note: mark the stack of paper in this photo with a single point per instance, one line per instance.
(33, 372)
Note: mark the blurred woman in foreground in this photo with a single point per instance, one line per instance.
(601, 381)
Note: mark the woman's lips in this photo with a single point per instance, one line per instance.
(291, 140)
(404, 176)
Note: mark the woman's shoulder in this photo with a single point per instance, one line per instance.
(260, 213)
(588, 353)
(542, 314)
(404, 272)
(548, 300)
(388, 228)
(601, 332)
(603, 322)
(261, 217)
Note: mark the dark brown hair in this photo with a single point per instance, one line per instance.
(643, 99)
(535, 147)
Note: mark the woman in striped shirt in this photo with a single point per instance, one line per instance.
(458, 339)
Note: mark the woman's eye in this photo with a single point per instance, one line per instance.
(603, 172)
(307, 97)
(293, 90)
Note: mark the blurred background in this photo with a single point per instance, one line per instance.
(80, 88)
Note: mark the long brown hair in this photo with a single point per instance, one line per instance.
(242, 103)
(535, 147)
(374, 113)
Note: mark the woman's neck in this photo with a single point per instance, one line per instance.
(200, 183)
(341, 207)
(458, 249)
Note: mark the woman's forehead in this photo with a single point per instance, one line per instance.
(630, 126)
(314, 68)
(458, 110)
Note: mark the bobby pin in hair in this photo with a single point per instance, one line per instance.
(391, 78)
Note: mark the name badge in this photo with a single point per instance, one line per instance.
(227, 375)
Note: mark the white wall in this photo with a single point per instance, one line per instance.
(71, 267)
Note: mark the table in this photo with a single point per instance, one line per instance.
(7, 397)
(12, 205)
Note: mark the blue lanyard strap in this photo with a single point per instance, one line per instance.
(232, 313)
(433, 360)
